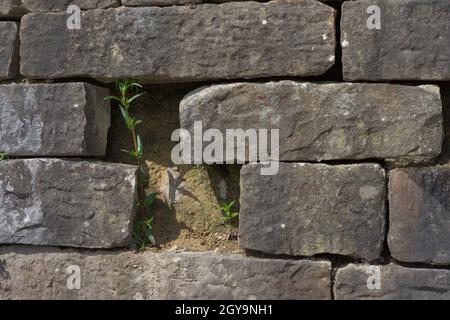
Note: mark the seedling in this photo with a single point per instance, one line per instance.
(3, 156)
(142, 230)
(228, 215)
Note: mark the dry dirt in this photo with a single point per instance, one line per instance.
(186, 212)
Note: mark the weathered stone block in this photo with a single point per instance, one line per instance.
(308, 209)
(12, 9)
(136, 3)
(41, 274)
(413, 42)
(401, 124)
(179, 43)
(66, 203)
(62, 5)
(67, 119)
(9, 50)
(391, 282)
(419, 209)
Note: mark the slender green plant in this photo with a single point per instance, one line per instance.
(3, 156)
(142, 230)
(228, 215)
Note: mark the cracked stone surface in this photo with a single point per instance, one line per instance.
(419, 215)
(67, 119)
(357, 282)
(30, 273)
(66, 203)
(309, 209)
(9, 50)
(180, 43)
(397, 123)
(413, 42)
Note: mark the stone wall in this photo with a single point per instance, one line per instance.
(359, 208)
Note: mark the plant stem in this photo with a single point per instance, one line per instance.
(141, 187)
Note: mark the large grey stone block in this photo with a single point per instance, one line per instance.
(9, 50)
(391, 282)
(67, 119)
(62, 5)
(419, 214)
(137, 3)
(180, 43)
(413, 42)
(66, 203)
(309, 209)
(42, 274)
(401, 124)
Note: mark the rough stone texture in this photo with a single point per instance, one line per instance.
(31, 274)
(136, 3)
(62, 5)
(233, 40)
(420, 215)
(69, 119)
(396, 283)
(12, 9)
(66, 203)
(308, 209)
(9, 50)
(412, 44)
(401, 124)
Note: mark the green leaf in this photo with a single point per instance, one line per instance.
(135, 97)
(149, 199)
(125, 115)
(112, 98)
(139, 145)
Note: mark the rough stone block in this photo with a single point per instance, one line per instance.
(309, 209)
(391, 282)
(413, 42)
(419, 210)
(42, 274)
(9, 50)
(401, 124)
(162, 3)
(66, 203)
(11, 9)
(67, 119)
(180, 43)
(62, 5)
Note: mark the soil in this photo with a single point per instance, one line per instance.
(187, 215)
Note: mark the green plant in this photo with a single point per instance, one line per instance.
(142, 229)
(228, 215)
(3, 156)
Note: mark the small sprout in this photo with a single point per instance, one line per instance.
(228, 215)
(3, 156)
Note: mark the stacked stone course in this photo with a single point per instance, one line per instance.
(378, 201)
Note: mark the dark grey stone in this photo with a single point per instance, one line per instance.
(9, 50)
(401, 124)
(357, 282)
(67, 119)
(419, 210)
(66, 203)
(413, 42)
(28, 273)
(309, 209)
(180, 43)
